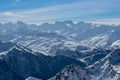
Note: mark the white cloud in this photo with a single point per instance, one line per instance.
(8, 14)
(11, 14)
(10, 17)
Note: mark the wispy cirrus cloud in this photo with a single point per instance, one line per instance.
(11, 14)
(10, 17)
(8, 14)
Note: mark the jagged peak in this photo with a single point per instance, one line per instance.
(16, 50)
(64, 22)
(69, 21)
(9, 23)
(21, 48)
(20, 22)
(72, 72)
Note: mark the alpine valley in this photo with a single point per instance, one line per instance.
(59, 51)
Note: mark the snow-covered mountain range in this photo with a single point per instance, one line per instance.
(60, 32)
(31, 52)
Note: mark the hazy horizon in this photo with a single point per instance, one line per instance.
(75, 22)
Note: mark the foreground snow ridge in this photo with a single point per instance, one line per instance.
(72, 72)
(32, 78)
(76, 72)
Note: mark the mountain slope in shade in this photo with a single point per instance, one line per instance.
(25, 63)
(91, 56)
(6, 73)
(6, 46)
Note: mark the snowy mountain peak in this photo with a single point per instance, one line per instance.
(72, 72)
(20, 23)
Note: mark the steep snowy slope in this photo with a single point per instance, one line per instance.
(107, 68)
(116, 44)
(97, 41)
(32, 78)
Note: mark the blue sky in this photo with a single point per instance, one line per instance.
(39, 11)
